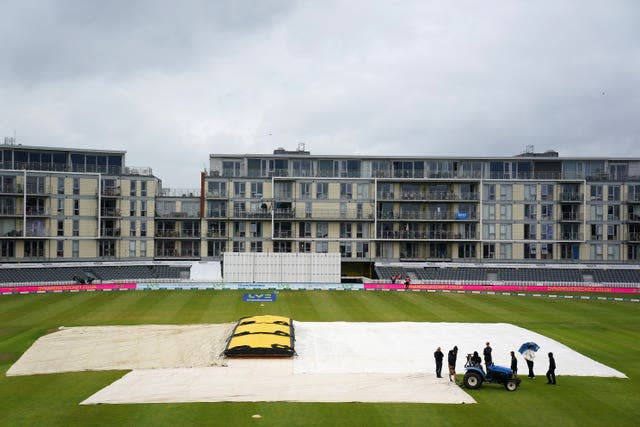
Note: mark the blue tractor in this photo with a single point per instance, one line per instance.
(474, 376)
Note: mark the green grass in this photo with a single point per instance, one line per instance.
(607, 331)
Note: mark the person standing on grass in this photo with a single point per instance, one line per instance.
(514, 364)
(551, 372)
(529, 355)
(451, 359)
(438, 355)
(407, 282)
(488, 360)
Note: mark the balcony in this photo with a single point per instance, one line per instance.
(9, 211)
(110, 192)
(634, 236)
(217, 234)
(216, 195)
(11, 189)
(287, 234)
(284, 213)
(110, 212)
(427, 235)
(429, 216)
(110, 232)
(36, 211)
(570, 216)
(633, 198)
(238, 213)
(419, 196)
(572, 235)
(177, 215)
(571, 197)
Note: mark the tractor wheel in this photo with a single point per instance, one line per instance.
(472, 380)
(511, 385)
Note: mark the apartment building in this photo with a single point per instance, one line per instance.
(72, 205)
(67, 205)
(534, 206)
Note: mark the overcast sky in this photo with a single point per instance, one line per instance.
(172, 82)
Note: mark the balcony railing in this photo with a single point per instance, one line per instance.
(110, 232)
(110, 192)
(634, 236)
(11, 189)
(571, 236)
(447, 196)
(429, 216)
(216, 234)
(36, 211)
(428, 235)
(174, 214)
(570, 216)
(571, 197)
(110, 212)
(282, 234)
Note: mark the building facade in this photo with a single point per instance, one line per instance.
(72, 205)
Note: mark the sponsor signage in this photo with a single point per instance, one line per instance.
(502, 288)
(268, 297)
(67, 288)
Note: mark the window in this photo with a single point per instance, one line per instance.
(596, 232)
(76, 227)
(362, 250)
(231, 168)
(488, 251)
(530, 192)
(304, 247)
(60, 227)
(613, 212)
(143, 229)
(75, 248)
(143, 188)
(489, 231)
(597, 213)
(133, 189)
(238, 230)
(489, 192)
(76, 207)
(467, 250)
(505, 211)
(132, 208)
(596, 192)
(132, 228)
(322, 230)
(596, 252)
(143, 208)
(613, 252)
(60, 248)
(308, 210)
(256, 247)
(60, 185)
(362, 231)
(546, 211)
(60, 206)
(505, 250)
(530, 211)
(256, 190)
(322, 190)
(530, 231)
(304, 230)
(346, 190)
(132, 248)
(219, 189)
(345, 230)
(305, 190)
(546, 232)
(506, 192)
(612, 232)
(363, 191)
(613, 193)
(505, 231)
(345, 249)
(76, 185)
(546, 251)
(239, 189)
(143, 248)
(530, 251)
(546, 192)
(256, 230)
(238, 246)
(322, 247)
(489, 212)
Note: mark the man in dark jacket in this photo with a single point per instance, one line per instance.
(451, 358)
(551, 373)
(438, 355)
(488, 360)
(514, 364)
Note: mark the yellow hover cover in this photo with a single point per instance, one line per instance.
(260, 345)
(262, 328)
(267, 318)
